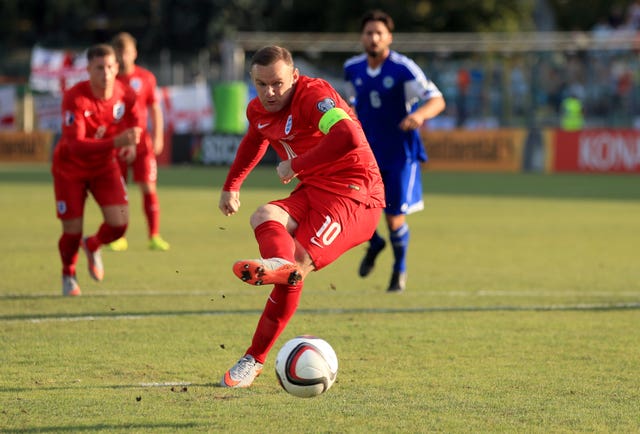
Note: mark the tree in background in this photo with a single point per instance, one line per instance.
(190, 25)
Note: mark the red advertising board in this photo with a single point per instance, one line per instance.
(596, 150)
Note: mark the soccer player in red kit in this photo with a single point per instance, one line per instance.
(144, 167)
(334, 207)
(100, 124)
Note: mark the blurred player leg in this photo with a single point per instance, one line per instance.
(376, 245)
(68, 246)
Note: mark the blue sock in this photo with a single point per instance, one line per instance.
(376, 241)
(400, 242)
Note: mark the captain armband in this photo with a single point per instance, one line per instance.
(332, 117)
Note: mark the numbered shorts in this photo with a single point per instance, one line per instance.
(328, 224)
(403, 189)
(107, 188)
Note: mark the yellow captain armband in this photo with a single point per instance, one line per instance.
(330, 118)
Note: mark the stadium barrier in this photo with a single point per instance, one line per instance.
(210, 149)
(17, 146)
(491, 150)
(497, 150)
(593, 151)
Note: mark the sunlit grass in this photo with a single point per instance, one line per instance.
(520, 315)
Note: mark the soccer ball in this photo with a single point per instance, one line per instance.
(306, 366)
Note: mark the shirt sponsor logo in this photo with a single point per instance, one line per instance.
(118, 110)
(325, 105)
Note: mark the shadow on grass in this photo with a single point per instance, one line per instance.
(170, 387)
(107, 427)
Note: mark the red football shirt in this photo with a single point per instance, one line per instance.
(144, 84)
(340, 162)
(89, 126)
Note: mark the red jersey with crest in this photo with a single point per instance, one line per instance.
(89, 125)
(144, 84)
(339, 163)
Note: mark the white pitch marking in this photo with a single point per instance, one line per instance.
(178, 383)
(332, 311)
(451, 293)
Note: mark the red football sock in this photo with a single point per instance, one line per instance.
(68, 245)
(274, 241)
(280, 307)
(152, 212)
(105, 235)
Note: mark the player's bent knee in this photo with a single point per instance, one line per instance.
(268, 212)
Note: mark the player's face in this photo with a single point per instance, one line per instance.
(376, 39)
(102, 71)
(274, 84)
(127, 57)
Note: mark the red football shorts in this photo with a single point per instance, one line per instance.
(328, 224)
(107, 188)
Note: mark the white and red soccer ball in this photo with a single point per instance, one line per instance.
(306, 366)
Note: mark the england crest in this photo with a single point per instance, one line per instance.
(69, 118)
(136, 84)
(287, 127)
(61, 205)
(118, 110)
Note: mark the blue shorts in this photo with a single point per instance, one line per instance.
(403, 189)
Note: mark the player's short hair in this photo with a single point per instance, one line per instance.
(123, 39)
(377, 15)
(271, 54)
(100, 50)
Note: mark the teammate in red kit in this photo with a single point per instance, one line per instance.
(100, 124)
(144, 167)
(334, 207)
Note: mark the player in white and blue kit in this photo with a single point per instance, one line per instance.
(392, 98)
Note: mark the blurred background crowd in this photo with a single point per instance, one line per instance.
(542, 52)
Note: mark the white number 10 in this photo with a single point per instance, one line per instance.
(327, 232)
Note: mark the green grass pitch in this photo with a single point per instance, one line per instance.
(522, 314)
